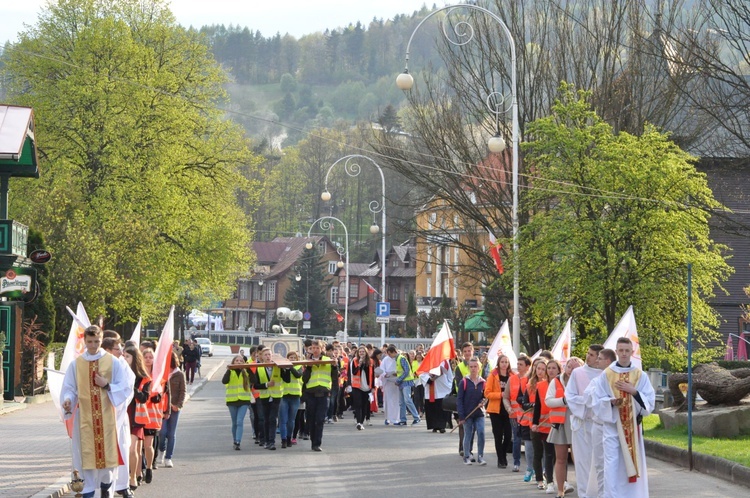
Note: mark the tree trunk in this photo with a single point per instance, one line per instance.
(716, 385)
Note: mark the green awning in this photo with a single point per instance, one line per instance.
(17, 148)
(478, 322)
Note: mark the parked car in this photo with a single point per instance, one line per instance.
(206, 347)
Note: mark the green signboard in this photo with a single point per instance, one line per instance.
(6, 326)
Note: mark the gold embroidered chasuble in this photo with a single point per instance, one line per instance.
(96, 415)
(627, 425)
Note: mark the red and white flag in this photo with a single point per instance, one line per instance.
(136, 337)
(443, 348)
(626, 328)
(561, 349)
(502, 344)
(339, 317)
(163, 355)
(495, 248)
(370, 288)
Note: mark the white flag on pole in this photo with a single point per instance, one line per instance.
(502, 344)
(561, 349)
(626, 327)
(136, 337)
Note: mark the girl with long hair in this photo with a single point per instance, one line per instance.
(137, 412)
(290, 400)
(361, 383)
(560, 435)
(415, 359)
(176, 387)
(536, 390)
(155, 414)
(238, 394)
(493, 391)
(541, 427)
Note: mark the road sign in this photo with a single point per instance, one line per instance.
(307, 316)
(383, 310)
(382, 319)
(306, 324)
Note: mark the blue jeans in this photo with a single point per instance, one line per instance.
(405, 401)
(529, 455)
(471, 425)
(287, 416)
(166, 434)
(238, 413)
(516, 427)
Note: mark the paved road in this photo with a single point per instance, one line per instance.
(404, 461)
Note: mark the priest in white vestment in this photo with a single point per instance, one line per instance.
(95, 384)
(620, 398)
(581, 416)
(391, 406)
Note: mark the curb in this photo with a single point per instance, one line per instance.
(706, 464)
(60, 488)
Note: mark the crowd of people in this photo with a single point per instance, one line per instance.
(590, 409)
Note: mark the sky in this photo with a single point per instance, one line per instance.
(296, 17)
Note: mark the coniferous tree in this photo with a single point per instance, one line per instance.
(312, 290)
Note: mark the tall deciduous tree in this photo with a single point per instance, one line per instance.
(614, 221)
(140, 170)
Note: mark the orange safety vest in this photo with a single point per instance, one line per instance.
(516, 384)
(156, 411)
(544, 424)
(527, 416)
(356, 380)
(557, 414)
(141, 412)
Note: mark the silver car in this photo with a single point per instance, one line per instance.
(206, 347)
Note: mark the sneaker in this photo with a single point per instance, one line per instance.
(471, 455)
(329, 421)
(317, 448)
(387, 422)
(336, 418)
(515, 468)
(294, 441)
(359, 427)
(540, 485)
(551, 489)
(369, 424)
(283, 444)
(528, 475)
(568, 488)
(306, 437)
(161, 460)
(467, 461)
(168, 461)
(481, 461)
(416, 421)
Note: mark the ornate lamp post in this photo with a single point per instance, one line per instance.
(352, 168)
(325, 224)
(496, 144)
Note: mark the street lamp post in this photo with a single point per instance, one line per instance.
(496, 144)
(325, 224)
(352, 168)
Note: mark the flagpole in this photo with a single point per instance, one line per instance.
(325, 224)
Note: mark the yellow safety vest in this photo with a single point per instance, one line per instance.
(294, 386)
(275, 391)
(235, 389)
(321, 375)
(400, 369)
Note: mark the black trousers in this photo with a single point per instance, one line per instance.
(270, 408)
(502, 433)
(435, 416)
(361, 403)
(258, 421)
(316, 410)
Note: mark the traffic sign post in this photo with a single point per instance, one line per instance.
(383, 312)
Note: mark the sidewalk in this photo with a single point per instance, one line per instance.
(35, 450)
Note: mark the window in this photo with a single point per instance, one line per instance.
(455, 257)
(354, 290)
(257, 292)
(321, 247)
(271, 291)
(406, 291)
(429, 287)
(394, 263)
(394, 292)
(428, 266)
(334, 295)
(243, 290)
(455, 221)
(433, 218)
(331, 267)
(342, 292)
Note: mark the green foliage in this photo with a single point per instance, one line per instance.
(614, 221)
(43, 307)
(733, 365)
(288, 83)
(141, 172)
(347, 97)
